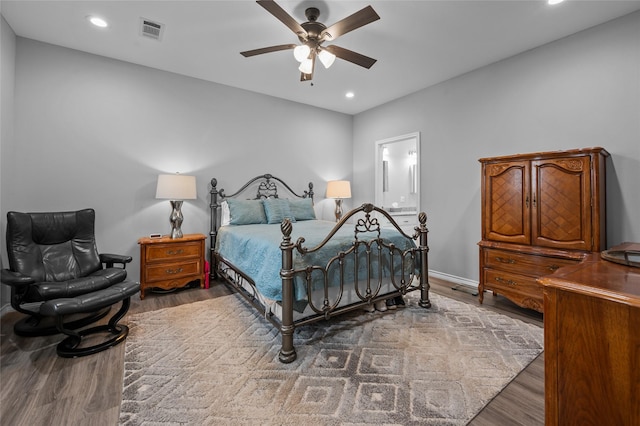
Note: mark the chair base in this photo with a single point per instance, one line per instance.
(32, 326)
(68, 348)
(71, 348)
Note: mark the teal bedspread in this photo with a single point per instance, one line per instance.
(255, 249)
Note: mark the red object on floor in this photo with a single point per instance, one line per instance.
(206, 274)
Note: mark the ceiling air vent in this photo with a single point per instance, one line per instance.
(151, 29)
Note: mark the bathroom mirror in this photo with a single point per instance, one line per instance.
(397, 174)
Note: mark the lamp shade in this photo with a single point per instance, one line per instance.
(301, 52)
(306, 66)
(176, 187)
(326, 58)
(338, 189)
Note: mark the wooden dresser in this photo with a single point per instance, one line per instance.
(168, 263)
(540, 211)
(592, 344)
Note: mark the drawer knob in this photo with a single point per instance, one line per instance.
(553, 267)
(173, 271)
(175, 252)
(503, 260)
(508, 282)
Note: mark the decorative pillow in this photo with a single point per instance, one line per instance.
(276, 210)
(246, 212)
(225, 217)
(302, 209)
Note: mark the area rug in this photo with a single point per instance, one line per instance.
(215, 362)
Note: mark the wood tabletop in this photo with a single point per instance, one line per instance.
(168, 239)
(598, 277)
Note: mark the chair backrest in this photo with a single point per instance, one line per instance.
(52, 246)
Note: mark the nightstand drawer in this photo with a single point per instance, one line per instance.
(173, 270)
(169, 252)
(523, 263)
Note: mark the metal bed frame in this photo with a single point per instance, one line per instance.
(367, 289)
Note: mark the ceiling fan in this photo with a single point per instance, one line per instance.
(313, 33)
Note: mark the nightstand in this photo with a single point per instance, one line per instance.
(169, 263)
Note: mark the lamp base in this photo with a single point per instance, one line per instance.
(176, 219)
(338, 209)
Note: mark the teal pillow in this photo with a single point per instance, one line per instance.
(246, 212)
(276, 210)
(302, 209)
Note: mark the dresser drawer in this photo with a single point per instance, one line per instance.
(521, 289)
(168, 271)
(406, 220)
(407, 223)
(523, 263)
(169, 252)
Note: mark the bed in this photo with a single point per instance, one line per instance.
(296, 269)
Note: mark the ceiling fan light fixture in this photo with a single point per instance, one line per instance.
(306, 66)
(301, 52)
(326, 58)
(313, 33)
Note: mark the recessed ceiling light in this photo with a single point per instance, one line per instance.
(349, 95)
(552, 2)
(97, 21)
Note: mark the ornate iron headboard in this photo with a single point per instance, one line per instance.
(267, 188)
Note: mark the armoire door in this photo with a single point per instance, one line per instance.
(506, 213)
(561, 203)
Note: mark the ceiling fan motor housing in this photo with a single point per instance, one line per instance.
(312, 14)
(313, 28)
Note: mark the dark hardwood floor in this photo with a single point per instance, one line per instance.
(40, 388)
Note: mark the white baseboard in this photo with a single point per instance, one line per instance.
(454, 279)
(6, 308)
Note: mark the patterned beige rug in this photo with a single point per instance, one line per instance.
(215, 363)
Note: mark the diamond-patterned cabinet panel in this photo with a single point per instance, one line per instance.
(559, 205)
(562, 206)
(506, 210)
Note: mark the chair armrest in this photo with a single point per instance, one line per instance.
(15, 279)
(109, 259)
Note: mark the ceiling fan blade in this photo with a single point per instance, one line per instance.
(255, 52)
(273, 8)
(350, 23)
(351, 56)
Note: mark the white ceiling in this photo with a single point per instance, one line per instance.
(417, 43)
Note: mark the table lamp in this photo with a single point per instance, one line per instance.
(176, 188)
(338, 189)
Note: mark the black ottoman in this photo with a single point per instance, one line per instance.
(86, 303)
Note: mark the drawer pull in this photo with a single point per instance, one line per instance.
(175, 252)
(508, 282)
(503, 260)
(553, 267)
(173, 271)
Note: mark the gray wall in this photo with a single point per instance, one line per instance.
(86, 131)
(96, 132)
(7, 81)
(580, 91)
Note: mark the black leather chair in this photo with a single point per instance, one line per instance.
(58, 278)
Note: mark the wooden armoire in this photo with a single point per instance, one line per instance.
(540, 211)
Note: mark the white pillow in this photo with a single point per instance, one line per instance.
(226, 214)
